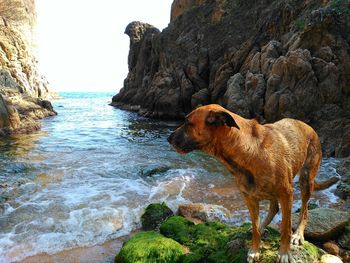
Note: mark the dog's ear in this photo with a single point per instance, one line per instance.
(220, 118)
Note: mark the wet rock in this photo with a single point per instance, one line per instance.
(151, 171)
(330, 259)
(19, 113)
(201, 213)
(343, 188)
(216, 242)
(331, 248)
(150, 247)
(345, 255)
(344, 240)
(324, 223)
(154, 215)
(311, 205)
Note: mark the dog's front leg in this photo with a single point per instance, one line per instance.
(253, 207)
(286, 202)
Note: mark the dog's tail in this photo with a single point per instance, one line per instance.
(325, 184)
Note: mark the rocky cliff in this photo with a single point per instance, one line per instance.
(23, 89)
(262, 59)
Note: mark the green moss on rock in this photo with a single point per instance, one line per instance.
(154, 215)
(207, 242)
(150, 247)
(219, 243)
(178, 228)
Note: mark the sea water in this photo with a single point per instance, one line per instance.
(83, 179)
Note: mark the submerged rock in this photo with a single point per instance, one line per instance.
(154, 215)
(148, 247)
(324, 223)
(151, 171)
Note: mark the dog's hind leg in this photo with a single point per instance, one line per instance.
(273, 210)
(307, 184)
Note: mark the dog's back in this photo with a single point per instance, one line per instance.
(296, 142)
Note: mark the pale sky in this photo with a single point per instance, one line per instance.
(82, 45)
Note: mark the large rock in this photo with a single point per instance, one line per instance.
(154, 215)
(262, 59)
(150, 246)
(324, 223)
(201, 213)
(19, 113)
(22, 87)
(216, 242)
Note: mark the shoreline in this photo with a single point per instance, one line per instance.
(104, 252)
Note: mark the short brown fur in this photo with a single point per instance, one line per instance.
(263, 159)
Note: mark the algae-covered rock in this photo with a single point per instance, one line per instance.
(178, 228)
(150, 247)
(154, 215)
(219, 243)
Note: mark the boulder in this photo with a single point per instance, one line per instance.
(324, 223)
(201, 213)
(154, 215)
(148, 247)
(331, 248)
(217, 242)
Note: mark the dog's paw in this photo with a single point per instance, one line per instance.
(253, 256)
(285, 258)
(297, 239)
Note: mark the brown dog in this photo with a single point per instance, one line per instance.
(264, 159)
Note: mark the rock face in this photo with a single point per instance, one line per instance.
(23, 89)
(266, 60)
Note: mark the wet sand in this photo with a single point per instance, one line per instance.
(103, 253)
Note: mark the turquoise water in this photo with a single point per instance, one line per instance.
(82, 179)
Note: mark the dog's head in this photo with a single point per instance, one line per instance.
(201, 127)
